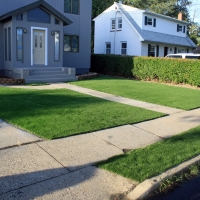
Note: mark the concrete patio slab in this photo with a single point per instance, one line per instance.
(11, 136)
(25, 165)
(172, 125)
(79, 151)
(89, 183)
(127, 137)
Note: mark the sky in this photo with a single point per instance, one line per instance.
(194, 10)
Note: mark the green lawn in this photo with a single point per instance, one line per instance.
(59, 113)
(144, 163)
(177, 97)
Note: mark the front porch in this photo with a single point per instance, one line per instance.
(43, 74)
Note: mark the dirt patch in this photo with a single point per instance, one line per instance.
(10, 81)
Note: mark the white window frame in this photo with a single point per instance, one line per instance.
(123, 48)
(149, 18)
(112, 25)
(106, 48)
(180, 28)
(119, 23)
(180, 50)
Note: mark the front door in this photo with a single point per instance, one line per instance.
(38, 47)
(165, 51)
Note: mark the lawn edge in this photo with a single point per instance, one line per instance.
(150, 185)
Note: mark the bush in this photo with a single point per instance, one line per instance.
(113, 65)
(167, 70)
(148, 68)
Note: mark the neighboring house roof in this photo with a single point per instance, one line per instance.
(151, 36)
(40, 3)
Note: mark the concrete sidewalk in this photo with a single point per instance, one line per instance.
(32, 168)
(103, 95)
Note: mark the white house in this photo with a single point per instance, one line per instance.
(127, 30)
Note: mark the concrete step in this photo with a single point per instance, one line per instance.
(36, 73)
(49, 76)
(50, 80)
(40, 69)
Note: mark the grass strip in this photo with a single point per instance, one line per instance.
(176, 97)
(150, 161)
(59, 113)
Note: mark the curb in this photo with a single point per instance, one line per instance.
(151, 185)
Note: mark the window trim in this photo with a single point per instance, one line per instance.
(5, 43)
(71, 43)
(55, 47)
(113, 24)
(22, 44)
(9, 43)
(21, 17)
(123, 48)
(119, 18)
(147, 20)
(108, 48)
(72, 8)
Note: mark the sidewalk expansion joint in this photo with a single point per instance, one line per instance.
(20, 145)
(162, 138)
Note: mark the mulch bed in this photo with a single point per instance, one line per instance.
(89, 75)
(11, 81)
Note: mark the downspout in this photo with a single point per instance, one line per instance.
(115, 27)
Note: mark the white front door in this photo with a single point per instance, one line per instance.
(39, 47)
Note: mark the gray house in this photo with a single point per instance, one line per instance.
(45, 40)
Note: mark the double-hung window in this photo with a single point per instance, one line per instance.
(71, 6)
(180, 28)
(108, 48)
(71, 43)
(123, 48)
(149, 21)
(119, 20)
(112, 24)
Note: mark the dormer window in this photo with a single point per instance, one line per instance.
(180, 28)
(149, 21)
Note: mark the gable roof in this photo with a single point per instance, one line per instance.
(40, 4)
(151, 36)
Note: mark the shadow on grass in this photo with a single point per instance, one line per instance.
(152, 160)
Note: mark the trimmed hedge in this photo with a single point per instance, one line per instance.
(148, 68)
(112, 65)
(167, 70)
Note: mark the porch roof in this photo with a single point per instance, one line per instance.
(40, 4)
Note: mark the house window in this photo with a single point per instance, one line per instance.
(152, 51)
(119, 23)
(38, 15)
(108, 48)
(181, 50)
(112, 24)
(19, 45)
(123, 48)
(5, 44)
(149, 21)
(9, 44)
(57, 46)
(71, 6)
(19, 17)
(71, 43)
(180, 28)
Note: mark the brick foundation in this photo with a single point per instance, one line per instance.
(10, 81)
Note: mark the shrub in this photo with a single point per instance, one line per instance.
(148, 68)
(113, 65)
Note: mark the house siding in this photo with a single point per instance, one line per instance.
(1, 50)
(81, 27)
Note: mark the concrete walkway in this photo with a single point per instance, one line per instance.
(32, 168)
(103, 95)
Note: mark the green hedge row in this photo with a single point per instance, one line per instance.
(167, 70)
(148, 68)
(113, 65)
